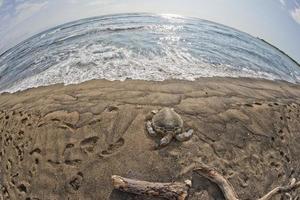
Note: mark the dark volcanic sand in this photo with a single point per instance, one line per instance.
(65, 142)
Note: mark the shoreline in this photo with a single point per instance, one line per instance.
(66, 141)
(155, 81)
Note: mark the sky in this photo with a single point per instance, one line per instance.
(276, 21)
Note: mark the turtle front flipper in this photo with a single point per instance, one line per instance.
(150, 129)
(185, 135)
(166, 140)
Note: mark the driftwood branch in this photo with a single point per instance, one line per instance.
(294, 185)
(179, 191)
(171, 191)
(214, 176)
(228, 190)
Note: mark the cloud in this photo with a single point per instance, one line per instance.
(99, 3)
(24, 10)
(31, 6)
(296, 14)
(282, 2)
(92, 2)
(13, 13)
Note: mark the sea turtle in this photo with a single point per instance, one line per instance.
(168, 124)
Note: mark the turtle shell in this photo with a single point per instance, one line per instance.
(167, 120)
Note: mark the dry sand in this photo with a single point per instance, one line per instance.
(65, 142)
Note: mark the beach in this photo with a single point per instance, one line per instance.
(65, 142)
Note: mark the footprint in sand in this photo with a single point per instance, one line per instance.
(252, 105)
(87, 145)
(73, 162)
(35, 150)
(112, 148)
(23, 121)
(74, 183)
(23, 187)
(248, 105)
(111, 108)
(36, 155)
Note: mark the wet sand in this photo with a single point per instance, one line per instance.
(65, 142)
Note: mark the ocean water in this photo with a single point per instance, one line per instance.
(140, 46)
